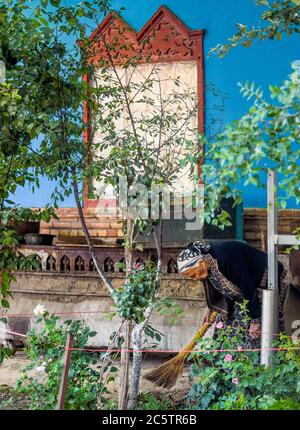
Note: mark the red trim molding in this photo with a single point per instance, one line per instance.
(164, 38)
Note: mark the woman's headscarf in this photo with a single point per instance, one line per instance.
(189, 257)
(216, 284)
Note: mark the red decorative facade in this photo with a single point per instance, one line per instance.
(164, 38)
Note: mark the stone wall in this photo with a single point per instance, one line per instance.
(83, 296)
(72, 293)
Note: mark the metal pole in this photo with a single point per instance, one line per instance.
(270, 296)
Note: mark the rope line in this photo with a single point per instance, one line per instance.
(169, 351)
(56, 313)
(164, 351)
(13, 332)
(106, 312)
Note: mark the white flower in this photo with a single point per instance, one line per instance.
(40, 369)
(44, 364)
(258, 151)
(39, 310)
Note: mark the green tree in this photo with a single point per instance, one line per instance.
(46, 67)
(149, 151)
(280, 17)
(268, 135)
(41, 126)
(17, 168)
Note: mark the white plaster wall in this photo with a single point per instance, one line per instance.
(174, 336)
(163, 86)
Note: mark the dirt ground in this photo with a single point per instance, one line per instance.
(11, 370)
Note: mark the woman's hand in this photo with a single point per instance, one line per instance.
(254, 330)
(206, 316)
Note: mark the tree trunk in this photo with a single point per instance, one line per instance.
(136, 364)
(88, 238)
(125, 354)
(124, 368)
(139, 329)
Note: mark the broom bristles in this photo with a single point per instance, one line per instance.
(167, 374)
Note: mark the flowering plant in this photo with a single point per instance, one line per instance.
(46, 346)
(39, 311)
(231, 377)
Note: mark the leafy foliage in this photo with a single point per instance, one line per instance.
(267, 136)
(170, 309)
(5, 351)
(236, 380)
(138, 292)
(148, 401)
(46, 351)
(280, 17)
(11, 259)
(40, 108)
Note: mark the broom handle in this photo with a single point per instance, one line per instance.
(200, 333)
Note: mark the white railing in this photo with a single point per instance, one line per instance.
(270, 296)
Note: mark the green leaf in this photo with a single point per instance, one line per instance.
(44, 21)
(55, 3)
(4, 303)
(37, 11)
(92, 334)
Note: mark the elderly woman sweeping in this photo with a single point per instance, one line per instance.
(229, 272)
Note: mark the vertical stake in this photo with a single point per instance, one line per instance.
(65, 374)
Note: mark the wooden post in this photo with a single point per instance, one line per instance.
(65, 374)
(264, 245)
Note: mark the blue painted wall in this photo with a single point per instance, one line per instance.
(264, 63)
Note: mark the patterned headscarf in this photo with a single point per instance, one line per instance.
(216, 285)
(189, 257)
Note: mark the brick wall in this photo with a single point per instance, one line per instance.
(68, 229)
(107, 229)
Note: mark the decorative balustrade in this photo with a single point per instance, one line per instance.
(77, 259)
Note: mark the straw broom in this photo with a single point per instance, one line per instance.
(167, 374)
